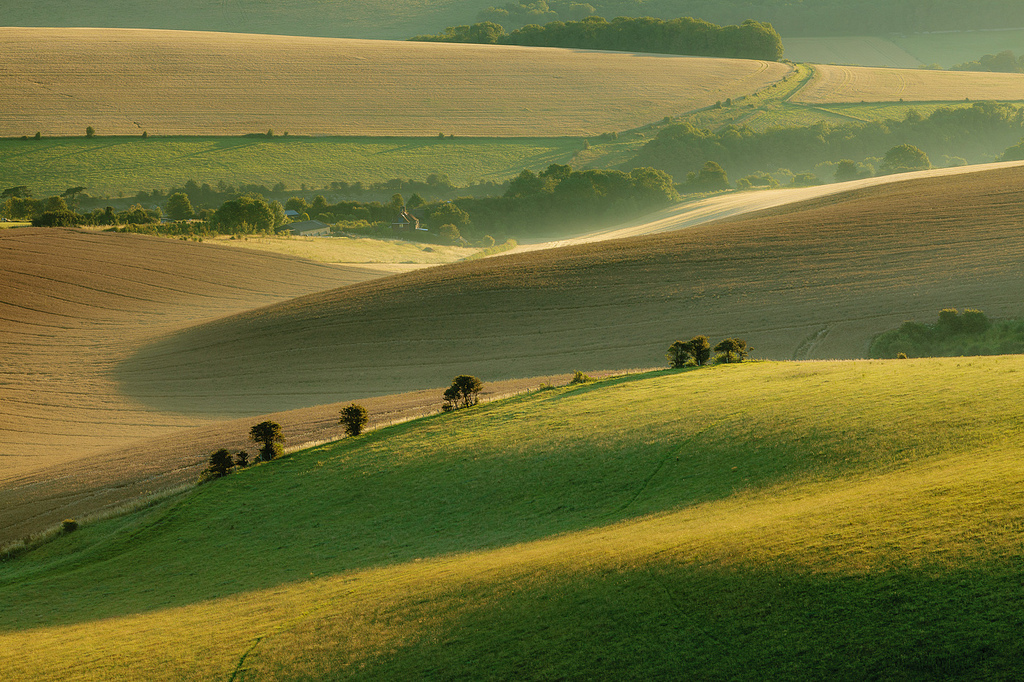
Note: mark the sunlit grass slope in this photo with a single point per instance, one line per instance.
(813, 280)
(848, 520)
(125, 82)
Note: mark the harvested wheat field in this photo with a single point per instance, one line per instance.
(124, 82)
(848, 84)
(817, 280)
(75, 304)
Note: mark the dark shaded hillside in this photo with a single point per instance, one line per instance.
(818, 280)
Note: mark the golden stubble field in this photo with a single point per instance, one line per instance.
(126, 81)
(850, 84)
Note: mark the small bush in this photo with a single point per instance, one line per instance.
(68, 526)
(354, 418)
(580, 378)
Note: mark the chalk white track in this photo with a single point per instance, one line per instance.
(733, 204)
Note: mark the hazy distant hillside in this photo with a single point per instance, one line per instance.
(340, 18)
(405, 18)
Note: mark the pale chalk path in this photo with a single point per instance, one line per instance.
(701, 211)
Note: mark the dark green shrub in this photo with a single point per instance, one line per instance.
(464, 392)
(68, 526)
(354, 418)
(731, 350)
(220, 463)
(269, 437)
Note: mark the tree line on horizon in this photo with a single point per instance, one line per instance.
(681, 35)
(794, 18)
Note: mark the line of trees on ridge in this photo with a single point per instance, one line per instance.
(790, 17)
(697, 352)
(682, 35)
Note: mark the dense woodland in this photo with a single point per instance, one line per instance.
(684, 35)
(985, 129)
(1003, 62)
(789, 17)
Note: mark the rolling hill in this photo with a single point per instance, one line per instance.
(814, 280)
(842, 84)
(126, 82)
(847, 520)
(76, 304)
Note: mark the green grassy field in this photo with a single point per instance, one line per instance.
(828, 519)
(125, 165)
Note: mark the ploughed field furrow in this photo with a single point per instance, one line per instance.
(77, 303)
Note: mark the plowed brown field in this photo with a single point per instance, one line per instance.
(75, 304)
(124, 82)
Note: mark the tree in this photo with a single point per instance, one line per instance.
(711, 178)
(58, 218)
(681, 352)
(269, 437)
(450, 234)
(449, 214)
(732, 350)
(464, 392)
(179, 207)
(55, 203)
(902, 159)
(21, 191)
(678, 354)
(354, 418)
(241, 459)
(72, 193)
(90, 132)
(247, 213)
(700, 349)
(220, 463)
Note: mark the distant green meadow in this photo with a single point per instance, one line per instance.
(122, 166)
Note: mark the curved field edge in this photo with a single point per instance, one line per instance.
(75, 302)
(849, 84)
(786, 514)
(836, 271)
(126, 82)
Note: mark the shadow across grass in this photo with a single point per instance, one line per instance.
(499, 474)
(690, 622)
